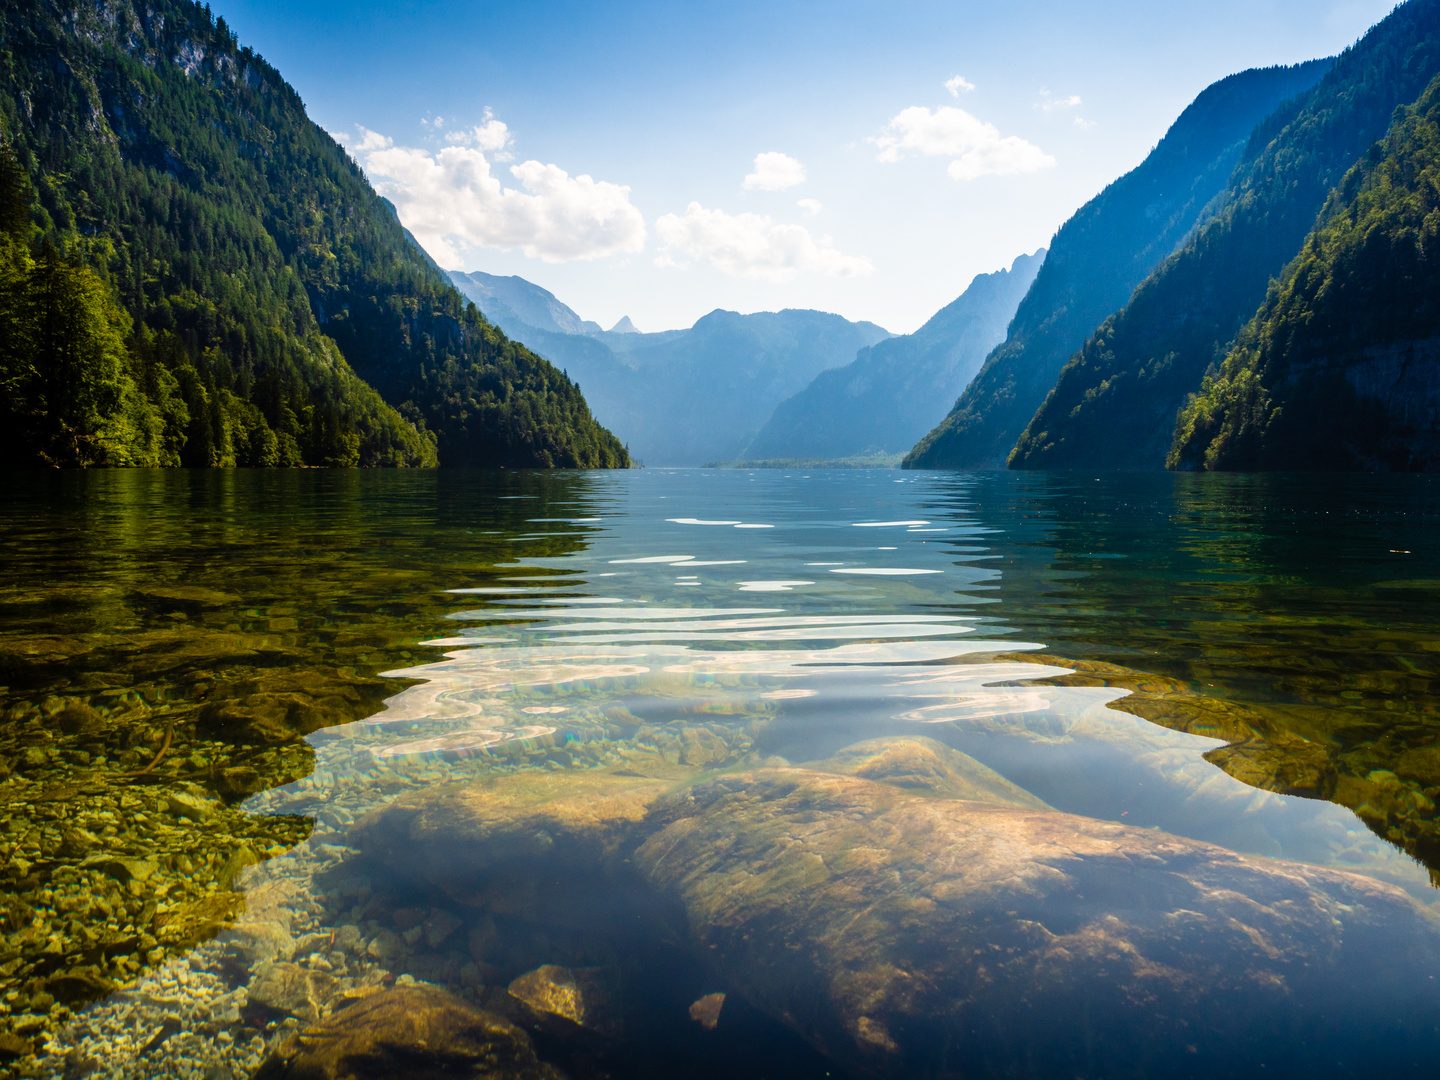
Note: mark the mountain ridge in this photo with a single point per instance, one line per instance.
(893, 391)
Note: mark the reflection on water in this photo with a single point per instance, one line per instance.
(219, 692)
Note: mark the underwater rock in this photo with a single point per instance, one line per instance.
(909, 935)
(275, 706)
(579, 995)
(456, 836)
(292, 989)
(923, 765)
(409, 1033)
(705, 1011)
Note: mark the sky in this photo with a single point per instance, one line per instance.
(661, 160)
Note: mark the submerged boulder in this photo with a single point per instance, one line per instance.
(908, 911)
(459, 836)
(409, 1033)
(925, 766)
(905, 935)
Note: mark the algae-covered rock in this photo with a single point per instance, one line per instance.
(926, 766)
(910, 935)
(409, 1033)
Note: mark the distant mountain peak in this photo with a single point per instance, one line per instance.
(625, 326)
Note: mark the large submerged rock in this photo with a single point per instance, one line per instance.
(907, 911)
(409, 1033)
(913, 936)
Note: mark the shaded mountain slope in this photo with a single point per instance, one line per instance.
(1340, 368)
(258, 272)
(1100, 255)
(1115, 403)
(894, 391)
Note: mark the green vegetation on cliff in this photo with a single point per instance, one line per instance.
(1100, 255)
(248, 276)
(1339, 370)
(1115, 403)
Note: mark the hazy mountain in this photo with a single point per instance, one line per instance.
(233, 276)
(1100, 255)
(677, 397)
(1340, 369)
(513, 301)
(1115, 402)
(897, 390)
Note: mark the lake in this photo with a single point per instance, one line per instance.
(925, 773)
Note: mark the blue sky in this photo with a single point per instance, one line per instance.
(609, 151)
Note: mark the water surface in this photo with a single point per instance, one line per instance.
(209, 678)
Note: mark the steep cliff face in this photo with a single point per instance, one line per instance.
(1100, 255)
(895, 391)
(1115, 402)
(1340, 368)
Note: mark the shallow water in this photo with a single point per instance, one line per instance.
(209, 678)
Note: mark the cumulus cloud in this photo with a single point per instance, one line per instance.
(775, 172)
(492, 135)
(957, 84)
(452, 202)
(978, 149)
(752, 246)
(810, 206)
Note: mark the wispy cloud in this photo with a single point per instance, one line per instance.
(958, 83)
(775, 171)
(976, 147)
(752, 246)
(453, 203)
(810, 206)
(1049, 102)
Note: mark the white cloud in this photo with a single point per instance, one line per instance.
(977, 147)
(1083, 124)
(753, 246)
(451, 202)
(492, 135)
(957, 84)
(810, 206)
(1050, 102)
(371, 140)
(775, 172)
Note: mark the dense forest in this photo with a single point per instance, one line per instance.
(1115, 402)
(1100, 255)
(197, 274)
(1338, 370)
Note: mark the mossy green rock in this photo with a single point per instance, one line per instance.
(909, 935)
(414, 1033)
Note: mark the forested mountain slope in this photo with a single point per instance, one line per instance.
(1340, 369)
(895, 391)
(1115, 402)
(245, 270)
(1100, 255)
